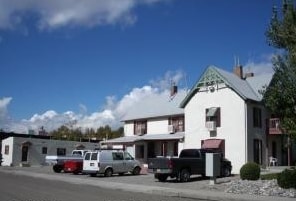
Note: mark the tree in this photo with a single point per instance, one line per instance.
(280, 96)
(102, 133)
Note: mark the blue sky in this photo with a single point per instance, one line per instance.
(90, 61)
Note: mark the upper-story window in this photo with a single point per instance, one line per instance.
(213, 114)
(140, 127)
(177, 123)
(257, 118)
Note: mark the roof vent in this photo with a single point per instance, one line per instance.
(247, 75)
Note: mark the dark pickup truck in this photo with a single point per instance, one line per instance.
(190, 162)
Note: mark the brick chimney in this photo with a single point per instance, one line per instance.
(174, 89)
(238, 71)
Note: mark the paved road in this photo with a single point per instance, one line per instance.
(23, 188)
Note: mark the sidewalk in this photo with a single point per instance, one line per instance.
(197, 189)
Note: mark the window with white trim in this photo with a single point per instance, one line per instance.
(214, 114)
(140, 127)
(178, 123)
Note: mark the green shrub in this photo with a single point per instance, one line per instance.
(250, 171)
(287, 178)
(269, 176)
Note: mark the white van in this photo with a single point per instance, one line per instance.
(109, 162)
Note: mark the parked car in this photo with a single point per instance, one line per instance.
(58, 162)
(190, 162)
(109, 162)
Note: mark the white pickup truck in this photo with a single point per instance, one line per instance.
(58, 161)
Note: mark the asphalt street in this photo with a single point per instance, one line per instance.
(15, 187)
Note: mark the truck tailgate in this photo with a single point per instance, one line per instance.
(161, 165)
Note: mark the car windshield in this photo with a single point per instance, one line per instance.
(76, 153)
(127, 156)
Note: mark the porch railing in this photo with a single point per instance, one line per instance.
(273, 126)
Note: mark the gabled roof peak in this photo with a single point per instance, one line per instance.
(245, 88)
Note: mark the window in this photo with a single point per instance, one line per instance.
(61, 151)
(140, 127)
(44, 150)
(178, 123)
(257, 146)
(190, 153)
(257, 122)
(6, 151)
(213, 114)
(94, 156)
(127, 156)
(117, 156)
(87, 156)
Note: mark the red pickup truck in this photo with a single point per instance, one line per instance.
(73, 166)
(72, 163)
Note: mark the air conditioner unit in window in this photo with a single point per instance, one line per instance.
(211, 125)
(170, 128)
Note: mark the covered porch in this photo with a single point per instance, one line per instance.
(281, 148)
(150, 145)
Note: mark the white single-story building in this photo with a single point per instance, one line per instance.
(22, 151)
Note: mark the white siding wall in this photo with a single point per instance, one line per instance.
(35, 156)
(157, 126)
(7, 159)
(129, 128)
(154, 126)
(232, 123)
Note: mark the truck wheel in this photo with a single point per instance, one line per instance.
(108, 172)
(162, 177)
(226, 172)
(57, 168)
(184, 175)
(136, 171)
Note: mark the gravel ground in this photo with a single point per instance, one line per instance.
(259, 187)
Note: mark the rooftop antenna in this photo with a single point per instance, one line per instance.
(186, 83)
(236, 61)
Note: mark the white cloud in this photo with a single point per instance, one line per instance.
(110, 114)
(170, 77)
(82, 109)
(260, 66)
(56, 13)
(4, 102)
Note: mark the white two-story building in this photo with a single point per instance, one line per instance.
(222, 111)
